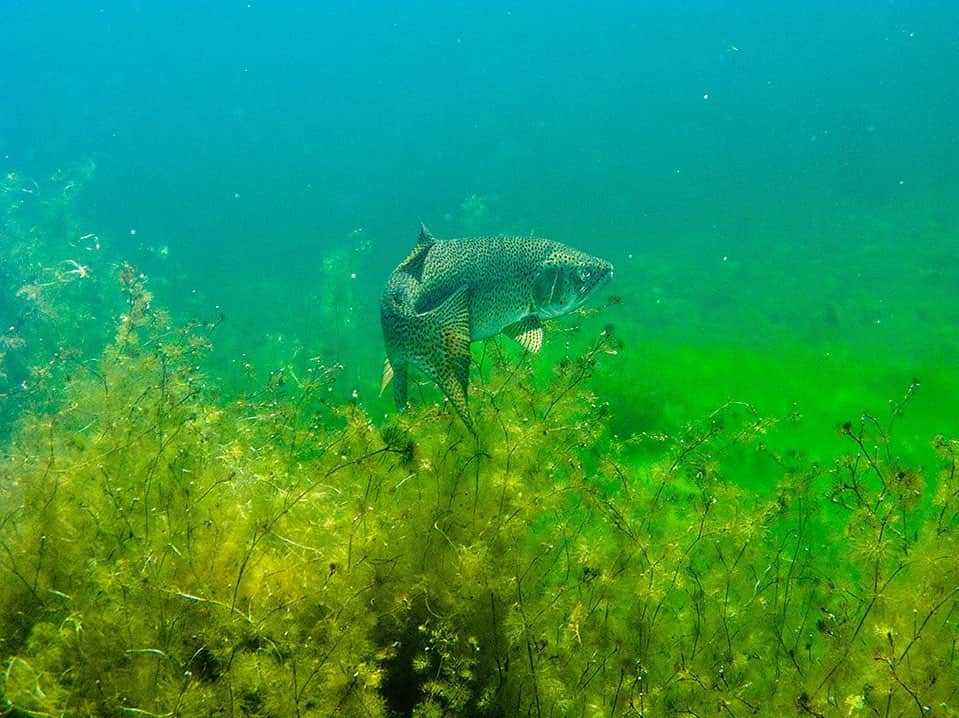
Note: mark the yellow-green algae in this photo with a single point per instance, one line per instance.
(162, 554)
(166, 552)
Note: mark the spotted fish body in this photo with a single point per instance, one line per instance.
(448, 293)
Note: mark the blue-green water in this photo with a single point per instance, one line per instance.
(777, 179)
(775, 184)
(812, 145)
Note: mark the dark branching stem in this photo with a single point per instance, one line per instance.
(583, 367)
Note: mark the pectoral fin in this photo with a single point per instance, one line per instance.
(528, 332)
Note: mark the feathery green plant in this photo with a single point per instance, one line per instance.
(165, 553)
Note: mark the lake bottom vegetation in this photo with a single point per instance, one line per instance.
(167, 550)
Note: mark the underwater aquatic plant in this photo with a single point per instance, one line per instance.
(52, 296)
(164, 552)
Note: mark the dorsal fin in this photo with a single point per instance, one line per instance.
(413, 264)
(426, 237)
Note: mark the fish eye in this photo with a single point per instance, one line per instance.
(584, 274)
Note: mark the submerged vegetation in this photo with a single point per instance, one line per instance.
(52, 304)
(164, 552)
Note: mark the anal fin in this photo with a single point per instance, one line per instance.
(387, 375)
(398, 377)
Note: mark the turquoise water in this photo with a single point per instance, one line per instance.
(244, 144)
(776, 187)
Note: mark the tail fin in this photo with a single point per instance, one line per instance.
(437, 343)
(447, 358)
(400, 373)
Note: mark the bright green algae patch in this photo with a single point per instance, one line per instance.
(163, 553)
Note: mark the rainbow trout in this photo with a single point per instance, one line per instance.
(448, 293)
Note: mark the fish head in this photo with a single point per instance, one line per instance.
(566, 279)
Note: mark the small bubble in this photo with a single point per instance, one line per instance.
(133, 232)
